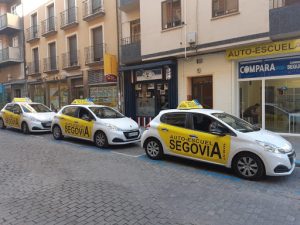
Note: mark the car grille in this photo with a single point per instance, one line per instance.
(132, 134)
(47, 124)
(292, 158)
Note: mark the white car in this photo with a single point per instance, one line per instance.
(101, 124)
(217, 137)
(27, 116)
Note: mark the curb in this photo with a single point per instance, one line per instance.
(297, 163)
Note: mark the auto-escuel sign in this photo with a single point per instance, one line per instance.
(270, 67)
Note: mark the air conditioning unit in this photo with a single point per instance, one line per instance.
(191, 38)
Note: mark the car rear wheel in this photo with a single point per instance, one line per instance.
(57, 133)
(2, 125)
(100, 139)
(25, 128)
(154, 149)
(248, 166)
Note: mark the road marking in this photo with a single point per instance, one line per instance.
(128, 155)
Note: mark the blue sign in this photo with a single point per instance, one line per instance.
(270, 67)
(1, 88)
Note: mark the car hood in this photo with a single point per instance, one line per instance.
(42, 116)
(269, 137)
(122, 123)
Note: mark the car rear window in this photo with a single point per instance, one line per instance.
(174, 119)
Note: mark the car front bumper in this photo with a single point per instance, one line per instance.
(280, 164)
(123, 138)
(39, 127)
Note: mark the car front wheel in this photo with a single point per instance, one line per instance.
(248, 166)
(154, 149)
(100, 139)
(2, 125)
(57, 133)
(25, 128)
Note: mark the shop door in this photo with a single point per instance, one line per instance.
(98, 40)
(202, 90)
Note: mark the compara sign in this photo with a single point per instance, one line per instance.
(270, 67)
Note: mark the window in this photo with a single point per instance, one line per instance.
(70, 111)
(202, 122)
(106, 113)
(85, 114)
(135, 31)
(174, 119)
(73, 50)
(9, 108)
(17, 109)
(52, 56)
(224, 7)
(40, 108)
(171, 14)
(36, 64)
(282, 3)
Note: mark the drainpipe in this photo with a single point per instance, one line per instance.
(185, 28)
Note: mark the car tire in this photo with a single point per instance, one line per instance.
(25, 128)
(100, 139)
(2, 125)
(57, 133)
(153, 149)
(248, 166)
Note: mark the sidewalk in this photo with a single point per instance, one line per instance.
(295, 141)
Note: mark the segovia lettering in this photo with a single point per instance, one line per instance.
(198, 147)
(12, 121)
(77, 130)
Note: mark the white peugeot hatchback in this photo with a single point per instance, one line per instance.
(217, 137)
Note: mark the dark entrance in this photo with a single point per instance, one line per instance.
(202, 90)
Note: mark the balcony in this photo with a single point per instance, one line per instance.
(69, 18)
(285, 21)
(51, 65)
(49, 27)
(33, 68)
(9, 23)
(92, 9)
(129, 5)
(32, 34)
(10, 55)
(94, 55)
(70, 61)
(131, 50)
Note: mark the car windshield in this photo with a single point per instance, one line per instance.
(106, 113)
(40, 108)
(236, 123)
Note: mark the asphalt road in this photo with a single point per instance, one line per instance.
(43, 181)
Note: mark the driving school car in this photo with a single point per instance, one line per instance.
(217, 137)
(101, 124)
(26, 115)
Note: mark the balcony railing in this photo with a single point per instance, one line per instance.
(127, 5)
(50, 64)
(70, 60)
(69, 18)
(94, 54)
(131, 49)
(9, 21)
(10, 55)
(32, 33)
(49, 27)
(34, 68)
(92, 9)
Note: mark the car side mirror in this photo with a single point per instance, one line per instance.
(217, 131)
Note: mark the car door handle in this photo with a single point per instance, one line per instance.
(165, 129)
(193, 136)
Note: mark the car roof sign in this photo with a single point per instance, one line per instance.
(22, 100)
(190, 105)
(82, 102)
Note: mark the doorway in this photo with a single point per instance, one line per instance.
(202, 90)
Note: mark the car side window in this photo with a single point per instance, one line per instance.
(70, 111)
(17, 109)
(85, 114)
(174, 119)
(204, 123)
(9, 108)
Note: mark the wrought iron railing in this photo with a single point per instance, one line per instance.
(92, 7)
(94, 54)
(32, 33)
(10, 54)
(48, 25)
(50, 64)
(33, 67)
(70, 59)
(68, 17)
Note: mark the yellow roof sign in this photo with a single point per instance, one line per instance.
(22, 100)
(82, 102)
(190, 105)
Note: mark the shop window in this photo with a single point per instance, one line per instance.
(281, 3)
(174, 119)
(171, 14)
(224, 7)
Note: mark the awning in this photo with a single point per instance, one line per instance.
(147, 65)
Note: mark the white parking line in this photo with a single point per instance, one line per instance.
(133, 156)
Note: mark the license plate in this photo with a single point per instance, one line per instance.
(133, 134)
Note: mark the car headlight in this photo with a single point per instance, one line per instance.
(271, 148)
(34, 119)
(112, 127)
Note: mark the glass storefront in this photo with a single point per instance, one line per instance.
(104, 95)
(38, 93)
(269, 93)
(58, 95)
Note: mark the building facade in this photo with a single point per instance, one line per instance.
(71, 52)
(12, 75)
(214, 50)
